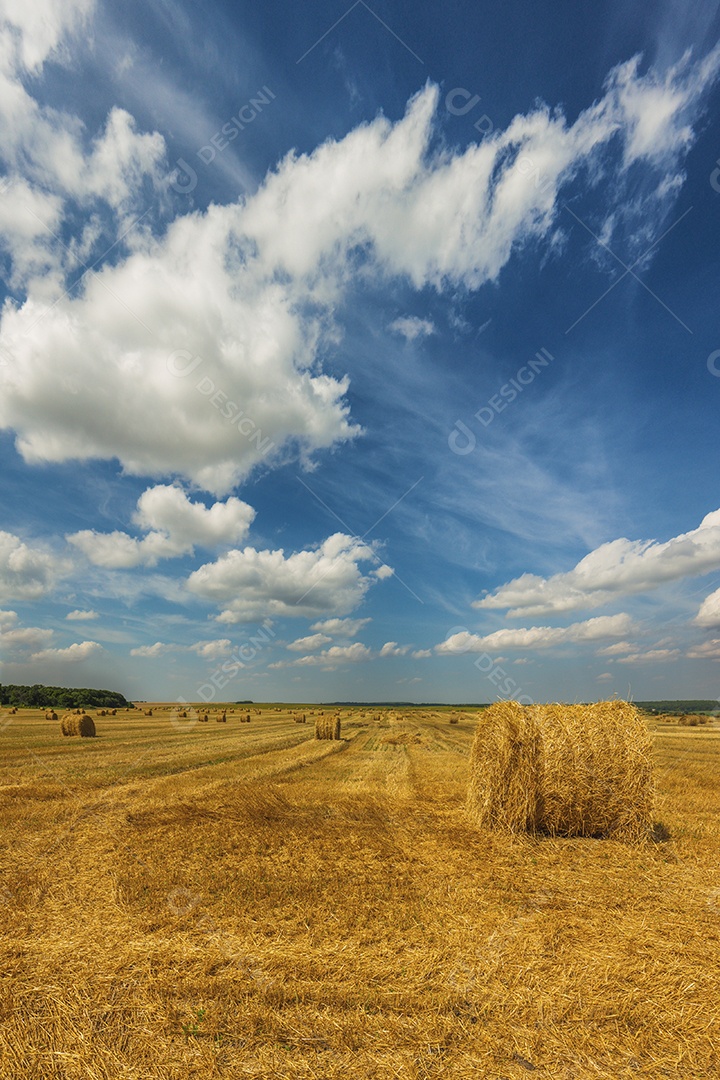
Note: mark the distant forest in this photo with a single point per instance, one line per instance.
(694, 706)
(60, 697)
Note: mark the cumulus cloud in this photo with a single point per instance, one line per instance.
(709, 613)
(391, 648)
(176, 525)
(81, 616)
(53, 165)
(334, 657)
(73, 654)
(8, 619)
(24, 639)
(212, 650)
(26, 573)
(618, 568)
(241, 298)
(421, 654)
(150, 652)
(538, 637)
(37, 29)
(307, 644)
(253, 584)
(708, 650)
(342, 628)
(411, 327)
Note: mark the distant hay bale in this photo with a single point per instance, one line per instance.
(562, 770)
(102, 712)
(83, 725)
(51, 715)
(454, 719)
(147, 712)
(693, 720)
(327, 727)
(222, 718)
(204, 718)
(300, 718)
(113, 712)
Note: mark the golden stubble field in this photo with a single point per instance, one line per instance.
(240, 900)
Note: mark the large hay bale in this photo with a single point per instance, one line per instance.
(327, 727)
(83, 725)
(563, 770)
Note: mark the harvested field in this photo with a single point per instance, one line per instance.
(259, 903)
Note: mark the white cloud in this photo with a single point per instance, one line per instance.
(421, 654)
(53, 164)
(334, 657)
(254, 584)
(24, 639)
(73, 654)
(241, 298)
(39, 28)
(342, 628)
(618, 568)
(166, 508)
(307, 644)
(177, 524)
(150, 652)
(652, 656)
(539, 637)
(709, 650)
(81, 616)
(383, 572)
(391, 648)
(8, 619)
(212, 650)
(619, 648)
(606, 676)
(118, 551)
(26, 573)
(411, 327)
(709, 613)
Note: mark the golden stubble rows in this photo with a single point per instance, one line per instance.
(243, 900)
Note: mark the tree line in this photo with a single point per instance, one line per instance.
(60, 697)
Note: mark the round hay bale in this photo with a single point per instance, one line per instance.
(51, 715)
(222, 718)
(83, 725)
(562, 770)
(86, 726)
(67, 724)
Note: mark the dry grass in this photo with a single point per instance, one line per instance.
(266, 905)
(564, 770)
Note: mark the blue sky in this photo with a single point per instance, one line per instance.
(360, 352)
